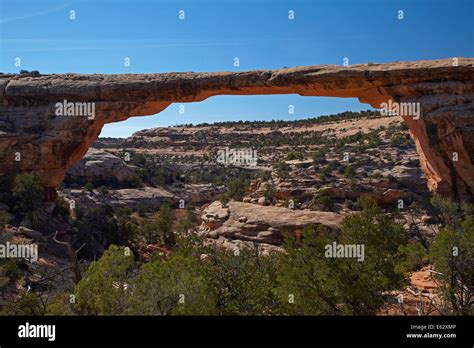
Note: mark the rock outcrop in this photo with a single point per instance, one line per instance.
(36, 137)
(100, 167)
(146, 197)
(242, 221)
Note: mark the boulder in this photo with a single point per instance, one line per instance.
(100, 167)
(261, 224)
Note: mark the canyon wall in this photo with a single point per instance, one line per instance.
(33, 137)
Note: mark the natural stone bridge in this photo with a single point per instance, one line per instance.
(34, 138)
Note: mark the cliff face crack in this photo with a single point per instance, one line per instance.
(445, 91)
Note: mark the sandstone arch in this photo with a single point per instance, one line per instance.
(49, 144)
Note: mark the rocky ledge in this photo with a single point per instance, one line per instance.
(268, 225)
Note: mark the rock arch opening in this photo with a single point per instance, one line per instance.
(49, 144)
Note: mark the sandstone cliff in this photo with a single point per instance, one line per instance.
(35, 138)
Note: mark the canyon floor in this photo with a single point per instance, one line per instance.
(308, 172)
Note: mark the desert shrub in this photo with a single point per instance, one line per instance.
(89, 187)
(127, 226)
(319, 156)
(224, 199)
(141, 209)
(325, 172)
(320, 285)
(299, 281)
(282, 169)
(135, 182)
(28, 197)
(104, 289)
(190, 221)
(61, 209)
(349, 172)
(236, 189)
(9, 274)
(172, 287)
(232, 277)
(27, 303)
(4, 217)
(160, 230)
(452, 254)
(61, 304)
(294, 155)
(164, 225)
(32, 73)
(103, 190)
(270, 191)
(96, 227)
(180, 284)
(322, 201)
(414, 256)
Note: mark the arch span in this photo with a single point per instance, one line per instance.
(49, 143)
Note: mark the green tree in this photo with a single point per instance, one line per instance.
(6, 184)
(325, 172)
(9, 271)
(349, 172)
(396, 140)
(164, 225)
(321, 285)
(149, 233)
(414, 256)
(105, 287)
(103, 190)
(305, 283)
(96, 227)
(319, 156)
(270, 191)
(189, 222)
(89, 187)
(127, 226)
(174, 286)
(4, 217)
(236, 189)
(322, 200)
(295, 155)
(61, 304)
(161, 228)
(27, 303)
(28, 196)
(224, 199)
(452, 253)
(243, 281)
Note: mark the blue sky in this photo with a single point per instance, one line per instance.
(214, 32)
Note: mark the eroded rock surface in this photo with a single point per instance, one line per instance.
(147, 197)
(100, 167)
(35, 138)
(243, 221)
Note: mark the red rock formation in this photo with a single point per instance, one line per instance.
(49, 144)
